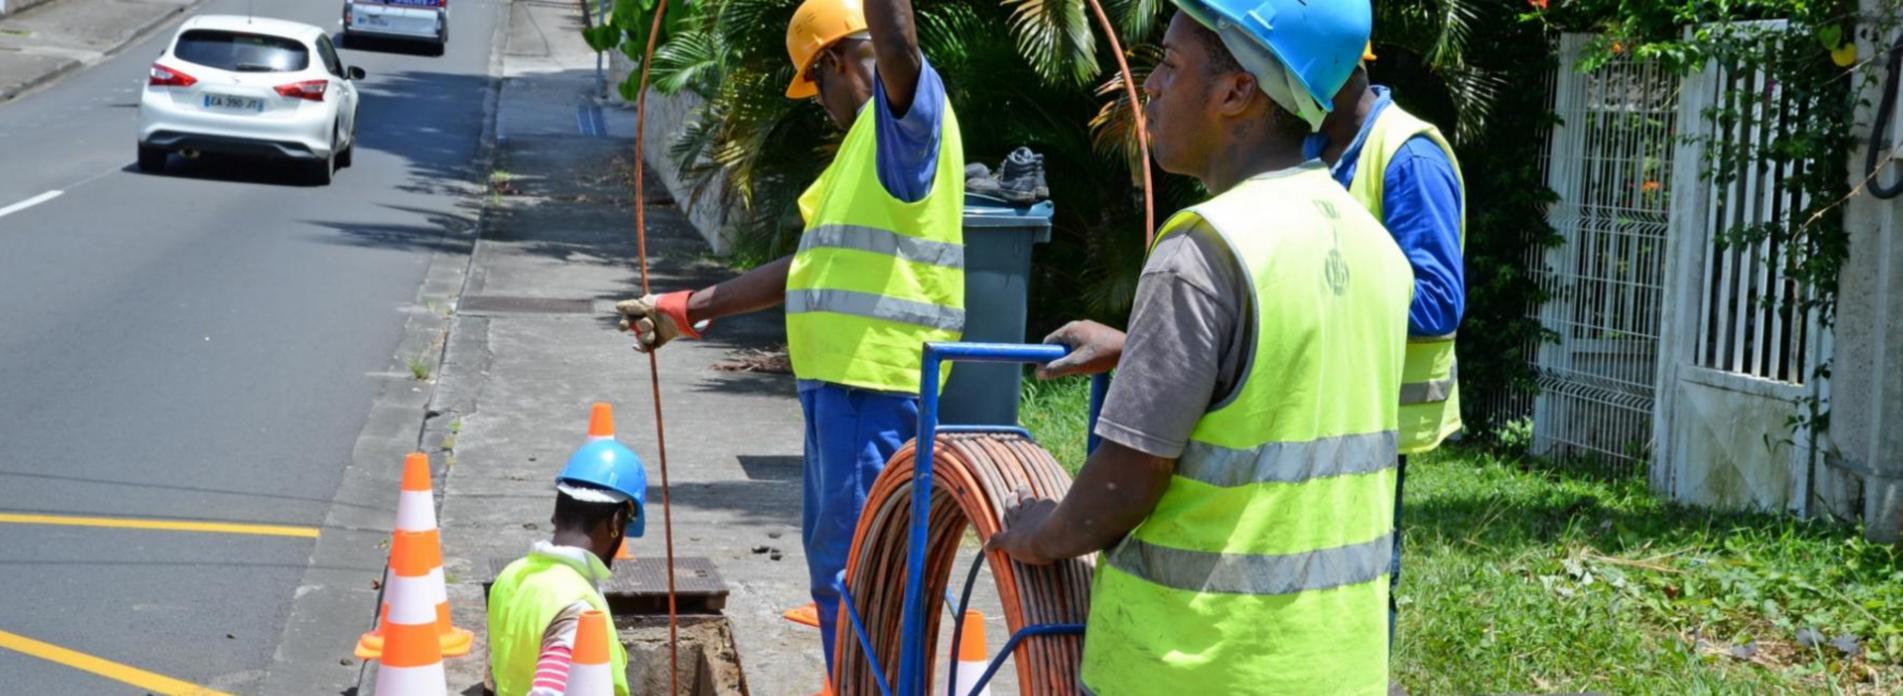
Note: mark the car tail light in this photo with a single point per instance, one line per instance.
(162, 76)
(309, 89)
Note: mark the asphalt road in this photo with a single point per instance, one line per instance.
(197, 345)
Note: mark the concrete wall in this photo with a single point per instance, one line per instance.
(1861, 476)
(667, 116)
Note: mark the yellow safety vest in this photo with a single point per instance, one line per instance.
(1430, 391)
(526, 597)
(876, 277)
(1264, 567)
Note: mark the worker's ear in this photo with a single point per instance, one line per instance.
(619, 521)
(1234, 92)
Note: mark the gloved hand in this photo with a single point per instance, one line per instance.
(1094, 349)
(657, 319)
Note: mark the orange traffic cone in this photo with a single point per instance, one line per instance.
(973, 655)
(415, 503)
(591, 673)
(623, 554)
(412, 662)
(416, 514)
(601, 421)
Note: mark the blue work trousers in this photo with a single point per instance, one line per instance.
(850, 434)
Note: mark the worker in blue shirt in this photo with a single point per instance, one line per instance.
(1404, 171)
(879, 271)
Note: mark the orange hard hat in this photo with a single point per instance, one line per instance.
(816, 25)
(1367, 54)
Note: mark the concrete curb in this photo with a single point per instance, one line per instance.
(442, 287)
(349, 557)
(138, 34)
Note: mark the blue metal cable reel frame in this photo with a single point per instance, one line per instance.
(912, 657)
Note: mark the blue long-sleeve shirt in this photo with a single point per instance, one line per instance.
(1421, 204)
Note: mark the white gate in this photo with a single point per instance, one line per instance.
(1612, 169)
(1738, 352)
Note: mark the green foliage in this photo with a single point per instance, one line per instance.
(1518, 577)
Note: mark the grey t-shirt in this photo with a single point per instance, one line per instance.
(1187, 343)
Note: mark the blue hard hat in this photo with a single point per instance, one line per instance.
(606, 464)
(1320, 42)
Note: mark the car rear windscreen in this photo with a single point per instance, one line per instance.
(240, 52)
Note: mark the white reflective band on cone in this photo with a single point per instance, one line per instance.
(968, 674)
(411, 681)
(412, 601)
(438, 589)
(415, 512)
(590, 680)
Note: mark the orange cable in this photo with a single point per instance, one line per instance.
(1136, 117)
(654, 365)
(975, 475)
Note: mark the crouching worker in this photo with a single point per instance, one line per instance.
(537, 602)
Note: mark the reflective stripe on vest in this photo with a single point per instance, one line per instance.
(1432, 390)
(1287, 462)
(1262, 569)
(878, 241)
(1430, 393)
(871, 306)
(876, 278)
(1202, 571)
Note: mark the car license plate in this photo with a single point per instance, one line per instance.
(231, 103)
(370, 20)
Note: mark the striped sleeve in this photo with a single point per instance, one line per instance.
(558, 652)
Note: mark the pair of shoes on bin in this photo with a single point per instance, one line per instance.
(1020, 179)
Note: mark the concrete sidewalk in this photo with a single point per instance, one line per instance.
(533, 343)
(44, 42)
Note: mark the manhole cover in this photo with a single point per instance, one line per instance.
(503, 304)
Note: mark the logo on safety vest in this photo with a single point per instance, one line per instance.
(1335, 272)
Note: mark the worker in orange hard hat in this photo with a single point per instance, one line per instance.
(880, 269)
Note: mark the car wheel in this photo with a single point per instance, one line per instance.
(346, 158)
(325, 169)
(151, 159)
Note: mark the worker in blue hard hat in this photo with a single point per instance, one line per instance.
(1242, 496)
(1404, 172)
(536, 604)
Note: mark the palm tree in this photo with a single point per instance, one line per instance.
(1019, 72)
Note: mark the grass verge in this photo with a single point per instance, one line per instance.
(1524, 576)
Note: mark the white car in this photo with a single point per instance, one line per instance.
(409, 20)
(250, 86)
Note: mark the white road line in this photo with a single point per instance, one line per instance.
(30, 202)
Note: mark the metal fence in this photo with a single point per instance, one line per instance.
(1752, 320)
(1611, 166)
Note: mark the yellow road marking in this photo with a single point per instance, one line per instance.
(156, 683)
(160, 525)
